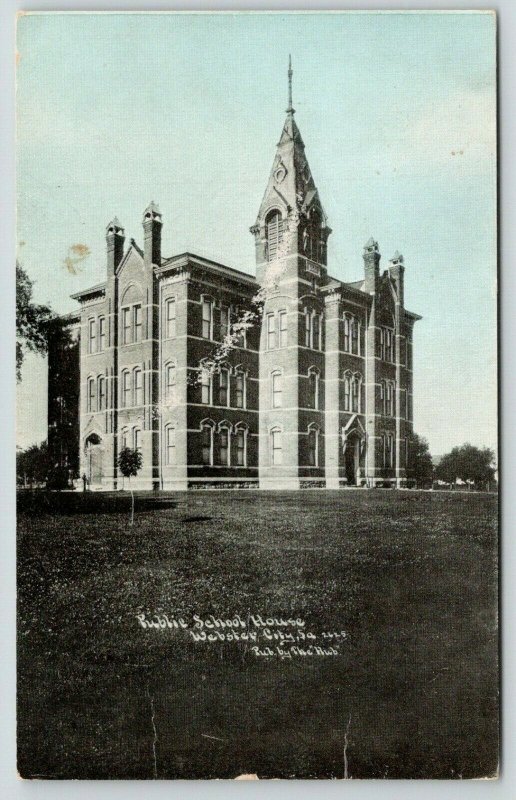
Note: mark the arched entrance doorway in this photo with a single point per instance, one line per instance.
(94, 458)
(354, 451)
(352, 458)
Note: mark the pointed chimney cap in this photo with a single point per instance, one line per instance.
(152, 211)
(397, 257)
(371, 245)
(114, 226)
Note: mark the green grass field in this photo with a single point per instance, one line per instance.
(413, 692)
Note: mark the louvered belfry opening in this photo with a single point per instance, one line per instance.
(274, 224)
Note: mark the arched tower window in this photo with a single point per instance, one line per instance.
(314, 241)
(313, 445)
(274, 233)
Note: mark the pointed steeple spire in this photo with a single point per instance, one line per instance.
(291, 189)
(290, 109)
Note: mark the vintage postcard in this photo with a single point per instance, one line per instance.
(257, 452)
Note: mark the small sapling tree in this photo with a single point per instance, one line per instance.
(129, 463)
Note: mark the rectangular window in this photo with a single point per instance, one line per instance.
(138, 387)
(354, 395)
(271, 331)
(276, 449)
(126, 325)
(313, 454)
(126, 389)
(124, 440)
(170, 446)
(224, 448)
(282, 328)
(206, 445)
(355, 337)
(316, 332)
(102, 333)
(170, 381)
(308, 328)
(224, 322)
(240, 448)
(240, 390)
(205, 386)
(347, 334)
(91, 394)
(171, 318)
(386, 340)
(91, 335)
(223, 387)
(277, 399)
(137, 316)
(207, 319)
(102, 393)
(137, 439)
(347, 394)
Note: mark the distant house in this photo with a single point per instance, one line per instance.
(317, 393)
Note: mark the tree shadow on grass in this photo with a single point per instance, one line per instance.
(43, 502)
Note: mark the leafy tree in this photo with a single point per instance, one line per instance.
(420, 460)
(31, 320)
(470, 464)
(129, 463)
(33, 464)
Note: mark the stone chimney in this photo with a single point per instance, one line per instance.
(152, 225)
(371, 266)
(115, 239)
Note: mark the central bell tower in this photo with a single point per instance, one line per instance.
(291, 233)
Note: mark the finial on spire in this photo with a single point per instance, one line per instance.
(290, 110)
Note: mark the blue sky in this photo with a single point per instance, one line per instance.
(397, 112)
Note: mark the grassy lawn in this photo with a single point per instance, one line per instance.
(411, 577)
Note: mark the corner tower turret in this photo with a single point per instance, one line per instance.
(291, 220)
(291, 232)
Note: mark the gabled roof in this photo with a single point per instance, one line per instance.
(184, 259)
(99, 288)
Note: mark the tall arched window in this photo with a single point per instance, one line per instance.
(313, 381)
(274, 233)
(92, 331)
(207, 442)
(170, 381)
(170, 445)
(102, 333)
(347, 391)
(224, 448)
(126, 388)
(206, 385)
(277, 389)
(240, 388)
(315, 223)
(313, 445)
(124, 440)
(137, 439)
(276, 447)
(170, 328)
(356, 386)
(90, 394)
(240, 445)
(224, 387)
(138, 387)
(101, 389)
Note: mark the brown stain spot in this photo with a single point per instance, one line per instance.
(76, 254)
(17, 57)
